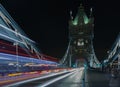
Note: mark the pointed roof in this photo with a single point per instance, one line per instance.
(81, 16)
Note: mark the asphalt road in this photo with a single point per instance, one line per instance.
(73, 80)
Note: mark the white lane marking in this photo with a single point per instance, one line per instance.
(54, 80)
(39, 78)
(78, 71)
(79, 75)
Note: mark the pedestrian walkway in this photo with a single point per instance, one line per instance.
(101, 79)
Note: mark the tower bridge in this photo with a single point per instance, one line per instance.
(22, 64)
(80, 48)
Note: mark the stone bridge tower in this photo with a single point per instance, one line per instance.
(80, 36)
(80, 48)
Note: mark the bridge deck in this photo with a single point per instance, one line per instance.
(101, 79)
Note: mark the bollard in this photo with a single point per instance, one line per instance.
(83, 80)
(83, 83)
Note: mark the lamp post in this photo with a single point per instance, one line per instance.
(17, 64)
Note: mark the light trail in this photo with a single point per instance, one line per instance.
(11, 38)
(16, 33)
(54, 80)
(58, 78)
(39, 78)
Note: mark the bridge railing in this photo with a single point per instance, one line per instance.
(114, 51)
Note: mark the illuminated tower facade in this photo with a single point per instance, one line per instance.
(81, 36)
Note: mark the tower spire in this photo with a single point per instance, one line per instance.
(91, 12)
(71, 17)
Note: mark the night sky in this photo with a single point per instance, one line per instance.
(46, 22)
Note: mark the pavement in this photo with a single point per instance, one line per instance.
(101, 79)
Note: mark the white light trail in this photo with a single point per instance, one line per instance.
(15, 33)
(11, 38)
(39, 78)
(54, 80)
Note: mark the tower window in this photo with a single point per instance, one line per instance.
(80, 42)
